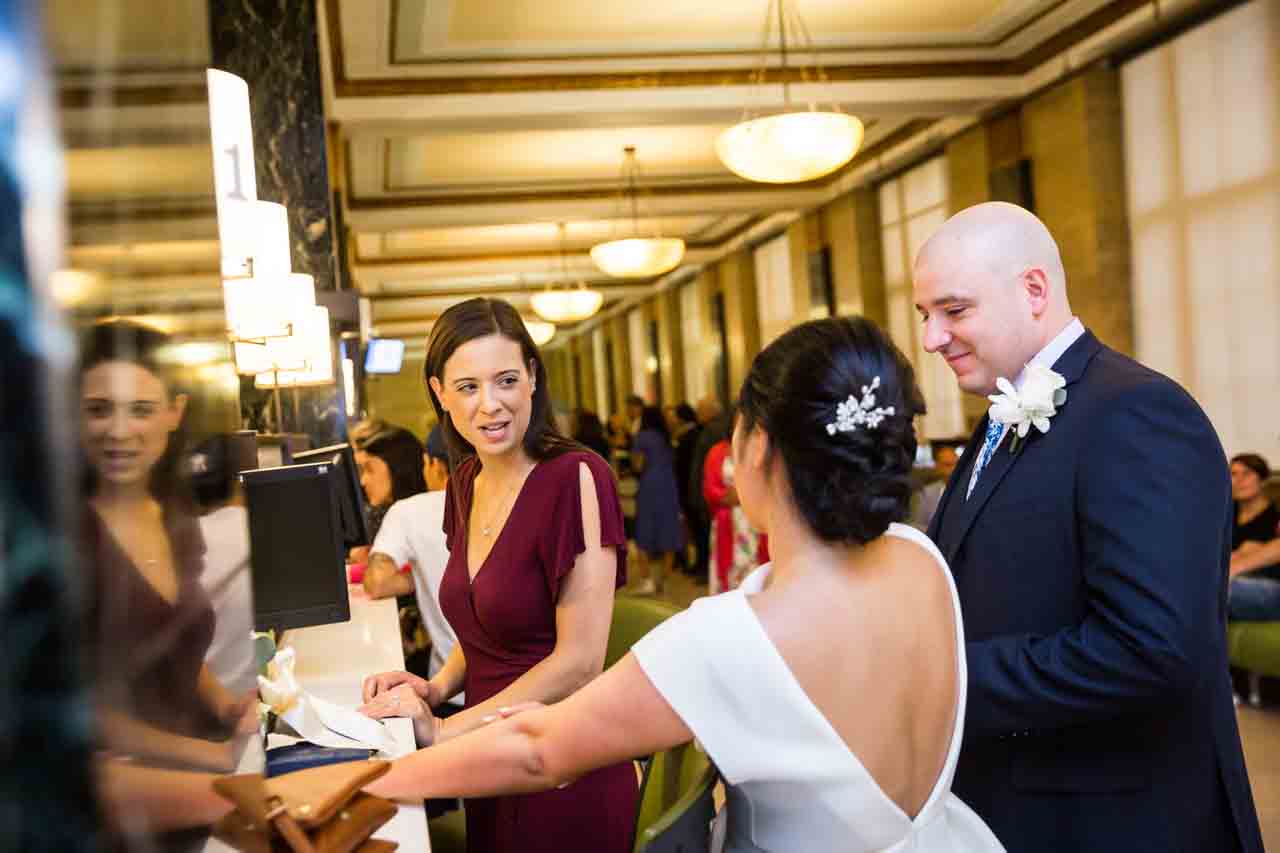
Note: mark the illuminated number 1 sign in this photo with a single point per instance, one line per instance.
(237, 189)
(234, 176)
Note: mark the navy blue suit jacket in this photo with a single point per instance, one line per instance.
(1092, 572)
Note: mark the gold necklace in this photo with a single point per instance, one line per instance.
(486, 530)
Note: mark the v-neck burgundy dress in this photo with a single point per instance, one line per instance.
(506, 622)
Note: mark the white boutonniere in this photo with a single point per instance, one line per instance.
(1043, 391)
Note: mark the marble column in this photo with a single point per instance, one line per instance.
(274, 45)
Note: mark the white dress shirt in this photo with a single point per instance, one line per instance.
(1047, 357)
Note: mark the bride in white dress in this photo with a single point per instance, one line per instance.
(828, 689)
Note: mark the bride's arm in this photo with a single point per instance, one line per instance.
(616, 717)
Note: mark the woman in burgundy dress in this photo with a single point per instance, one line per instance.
(536, 550)
(164, 722)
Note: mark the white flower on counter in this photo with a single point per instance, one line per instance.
(279, 689)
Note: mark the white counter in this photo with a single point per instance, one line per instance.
(332, 662)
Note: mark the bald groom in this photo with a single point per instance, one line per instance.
(1091, 563)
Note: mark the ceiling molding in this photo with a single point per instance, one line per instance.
(348, 87)
(743, 187)
(1003, 26)
(392, 260)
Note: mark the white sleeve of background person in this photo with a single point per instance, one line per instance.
(413, 532)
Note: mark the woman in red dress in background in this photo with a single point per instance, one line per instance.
(536, 549)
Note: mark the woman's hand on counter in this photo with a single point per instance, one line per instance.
(383, 682)
(404, 701)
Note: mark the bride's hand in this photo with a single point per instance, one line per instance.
(404, 701)
(384, 682)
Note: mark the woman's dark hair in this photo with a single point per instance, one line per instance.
(214, 465)
(135, 343)
(651, 417)
(587, 427)
(686, 413)
(1254, 463)
(848, 485)
(434, 445)
(212, 472)
(478, 318)
(402, 452)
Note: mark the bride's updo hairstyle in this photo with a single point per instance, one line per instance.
(848, 467)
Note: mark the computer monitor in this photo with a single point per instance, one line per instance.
(295, 545)
(384, 355)
(350, 495)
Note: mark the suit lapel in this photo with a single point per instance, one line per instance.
(1071, 365)
(957, 482)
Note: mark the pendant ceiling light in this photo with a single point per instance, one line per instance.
(796, 144)
(637, 256)
(538, 330)
(567, 305)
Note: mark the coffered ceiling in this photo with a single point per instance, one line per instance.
(465, 131)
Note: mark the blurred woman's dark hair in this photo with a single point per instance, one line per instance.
(435, 446)
(590, 432)
(213, 467)
(587, 423)
(1255, 463)
(402, 452)
(849, 485)
(479, 318)
(651, 417)
(686, 413)
(144, 346)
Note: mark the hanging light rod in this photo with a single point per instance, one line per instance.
(795, 145)
(637, 256)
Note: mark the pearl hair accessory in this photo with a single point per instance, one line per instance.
(853, 413)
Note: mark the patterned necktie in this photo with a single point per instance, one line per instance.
(994, 430)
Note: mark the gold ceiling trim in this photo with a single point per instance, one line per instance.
(707, 179)
(345, 87)
(80, 97)
(741, 187)
(414, 260)
(1012, 31)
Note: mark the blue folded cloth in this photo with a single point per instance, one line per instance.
(301, 755)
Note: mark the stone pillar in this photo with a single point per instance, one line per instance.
(670, 352)
(275, 48)
(968, 164)
(799, 242)
(584, 358)
(870, 257)
(1074, 135)
(742, 315)
(621, 342)
(851, 230)
(559, 379)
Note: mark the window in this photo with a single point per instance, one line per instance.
(696, 354)
(610, 378)
(822, 293)
(653, 364)
(913, 206)
(1201, 141)
(774, 299)
(638, 347)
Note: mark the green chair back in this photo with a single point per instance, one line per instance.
(633, 617)
(1255, 646)
(676, 802)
